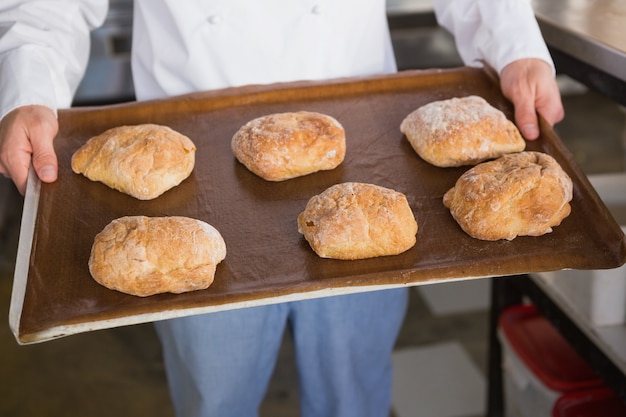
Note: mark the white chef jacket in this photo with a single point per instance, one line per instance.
(180, 46)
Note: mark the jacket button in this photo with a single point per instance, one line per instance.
(215, 19)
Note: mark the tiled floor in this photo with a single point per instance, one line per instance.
(437, 380)
(441, 352)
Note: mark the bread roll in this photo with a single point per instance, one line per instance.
(523, 194)
(281, 146)
(461, 131)
(355, 220)
(143, 161)
(143, 256)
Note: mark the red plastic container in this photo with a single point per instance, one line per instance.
(544, 351)
(539, 366)
(599, 402)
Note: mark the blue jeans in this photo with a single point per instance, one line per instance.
(220, 364)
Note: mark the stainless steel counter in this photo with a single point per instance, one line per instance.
(590, 31)
(397, 7)
(585, 37)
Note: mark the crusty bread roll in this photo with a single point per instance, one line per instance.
(522, 194)
(355, 221)
(144, 256)
(281, 146)
(143, 160)
(460, 131)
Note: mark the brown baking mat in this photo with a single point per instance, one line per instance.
(268, 260)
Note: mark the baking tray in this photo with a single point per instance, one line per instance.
(268, 261)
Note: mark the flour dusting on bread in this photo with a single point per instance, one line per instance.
(143, 256)
(282, 146)
(143, 161)
(358, 220)
(460, 131)
(522, 194)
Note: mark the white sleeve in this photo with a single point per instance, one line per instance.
(44, 48)
(494, 31)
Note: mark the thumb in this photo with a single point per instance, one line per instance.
(43, 156)
(45, 161)
(526, 119)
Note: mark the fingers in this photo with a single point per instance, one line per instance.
(526, 119)
(26, 135)
(16, 169)
(548, 105)
(530, 85)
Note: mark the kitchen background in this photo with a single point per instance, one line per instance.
(441, 353)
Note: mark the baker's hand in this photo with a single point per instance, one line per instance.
(530, 85)
(26, 135)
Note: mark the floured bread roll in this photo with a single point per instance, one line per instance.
(144, 256)
(281, 146)
(143, 161)
(461, 131)
(522, 194)
(355, 221)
